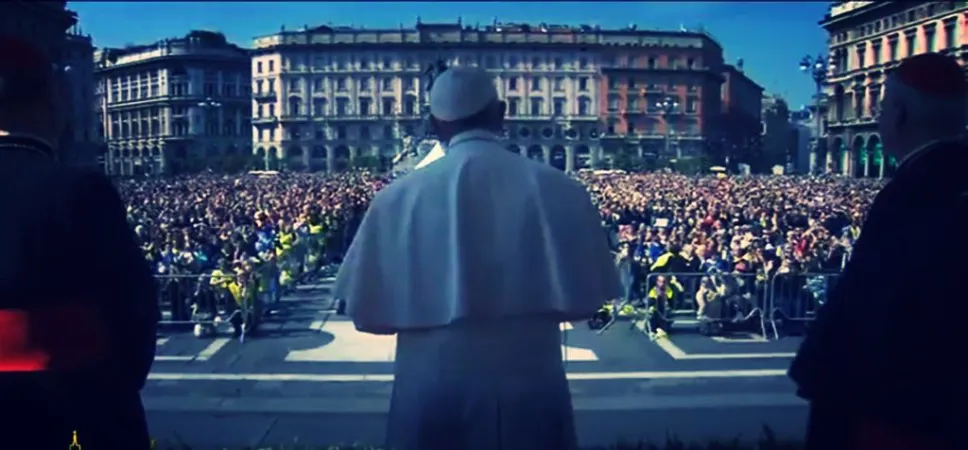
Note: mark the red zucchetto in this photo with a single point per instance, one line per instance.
(933, 74)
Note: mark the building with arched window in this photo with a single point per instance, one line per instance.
(867, 41)
(174, 106)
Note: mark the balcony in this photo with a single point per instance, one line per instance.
(290, 118)
(264, 120)
(265, 96)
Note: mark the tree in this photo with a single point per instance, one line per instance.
(628, 160)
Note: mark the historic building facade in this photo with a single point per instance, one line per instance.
(740, 126)
(661, 92)
(175, 105)
(324, 97)
(867, 40)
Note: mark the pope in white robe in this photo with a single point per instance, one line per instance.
(473, 261)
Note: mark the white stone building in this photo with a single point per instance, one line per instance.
(328, 97)
(175, 105)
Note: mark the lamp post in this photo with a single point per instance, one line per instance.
(817, 67)
(668, 106)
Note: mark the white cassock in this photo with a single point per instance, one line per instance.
(474, 261)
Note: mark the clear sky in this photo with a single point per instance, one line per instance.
(771, 37)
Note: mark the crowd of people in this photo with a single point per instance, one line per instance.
(275, 229)
(753, 228)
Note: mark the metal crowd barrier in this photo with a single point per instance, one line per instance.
(714, 303)
(795, 299)
(208, 303)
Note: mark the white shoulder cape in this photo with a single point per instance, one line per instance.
(481, 233)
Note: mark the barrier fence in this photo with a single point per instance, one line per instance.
(208, 302)
(721, 303)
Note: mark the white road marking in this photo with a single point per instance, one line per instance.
(678, 354)
(161, 341)
(208, 352)
(742, 338)
(317, 325)
(350, 345)
(173, 358)
(338, 378)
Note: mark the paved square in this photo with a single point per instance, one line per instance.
(349, 345)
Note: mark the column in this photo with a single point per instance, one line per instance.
(546, 151)
(569, 159)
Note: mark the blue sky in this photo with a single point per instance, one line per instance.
(771, 37)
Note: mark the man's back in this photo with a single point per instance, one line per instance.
(67, 248)
(489, 233)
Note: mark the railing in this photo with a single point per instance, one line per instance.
(209, 302)
(722, 303)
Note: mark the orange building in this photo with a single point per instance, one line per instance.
(661, 97)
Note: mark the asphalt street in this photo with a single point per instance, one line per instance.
(310, 376)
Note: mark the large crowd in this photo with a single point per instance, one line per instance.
(276, 229)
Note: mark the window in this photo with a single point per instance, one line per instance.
(258, 67)
(388, 106)
(341, 84)
(513, 62)
(272, 66)
(387, 63)
(691, 105)
(559, 84)
(912, 44)
(364, 84)
(388, 131)
(409, 106)
(513, 83)
(340, 132)
(876, 54)
(293, 85)
(583, 63)
(584, 106)
(319, 86)
(559, 107)
(342, 106)
(861, 56)
(365, 106)
(613, 104)
(319, 107)
(364, 63)
(559, 63)
(951, 35)
(514, 106)
(536, 84)
(630, 128)
(535, 62)
(929, 34)
(892, 50)
(651, 63)
(364, 133)
(387, 84)
(690, 63)
(537, 105)
(631, 83)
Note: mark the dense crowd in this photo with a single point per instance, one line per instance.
(284, 227)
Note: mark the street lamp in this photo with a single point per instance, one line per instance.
(817, 67)
(668, 106)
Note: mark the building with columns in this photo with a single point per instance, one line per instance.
(325, 97)
(867, 40)
(177, 105)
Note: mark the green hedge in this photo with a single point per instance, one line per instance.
(767, 441)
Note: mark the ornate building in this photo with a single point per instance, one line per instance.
(662, 91)
(176, 105)
(327, 96)
(867, 40)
